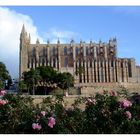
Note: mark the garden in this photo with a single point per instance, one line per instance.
(106, 112)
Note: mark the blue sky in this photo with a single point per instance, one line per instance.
(91, 22)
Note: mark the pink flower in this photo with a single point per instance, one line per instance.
(113, 93)
(2, 92)
(51, 122)
(91, 101)
(94, 101)
(43, 113)
(3, 102)
(128, 115)
(125, 103)
(36, 126)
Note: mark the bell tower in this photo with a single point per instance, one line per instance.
(24, 43)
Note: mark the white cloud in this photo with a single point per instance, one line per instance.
(11, 23)
(64, 36)
(10, 27)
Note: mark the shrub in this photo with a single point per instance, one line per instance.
(103, 113)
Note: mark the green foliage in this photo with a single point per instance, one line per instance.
(4, 75)
(1, 84)
(98, 114)
(46, 77)
(65, 80)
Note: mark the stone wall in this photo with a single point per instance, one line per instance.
(138, 74)
(99, 87)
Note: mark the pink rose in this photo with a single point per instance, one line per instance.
(43, 113)
(2, 92)
(128, 115)
(94, 101)
(125, 103)
(51, 122)
(36, 126)
(91, 101)
(3, 102)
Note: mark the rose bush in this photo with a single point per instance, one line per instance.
(103, 113)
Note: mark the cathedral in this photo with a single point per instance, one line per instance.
(89, 63)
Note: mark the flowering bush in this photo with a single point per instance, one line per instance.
(2, 92)
(105, 113)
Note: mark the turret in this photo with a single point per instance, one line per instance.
(58, 41)
(24, 38)
(24, 43)
(37, 41)
(72, 42)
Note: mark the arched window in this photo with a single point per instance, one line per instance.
(43, 62)
(53, 51)
(65, 51)
(86, 50)
(66, 62)
(76, 49)
(33, 52)
(32, 62)
(70, 51)
(43, 51)
(54, 62)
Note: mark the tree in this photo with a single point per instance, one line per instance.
(48, 76)
(31, 78)
(65, 80)
(4, 75)
(22, 86)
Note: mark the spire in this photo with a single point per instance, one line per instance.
(23, 29)
(90, 41)
(48, 41)
(110, 40)
(72, 40)
(115, 39)
(37, 41)
(58, 41)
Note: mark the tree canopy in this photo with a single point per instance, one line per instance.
(4, 75)
(46, 77)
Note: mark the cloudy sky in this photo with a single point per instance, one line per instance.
(86, 23)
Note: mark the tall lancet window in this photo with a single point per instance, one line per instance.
(70, 51)
(33, 52)
(66, 62)
(33, 59)
(102, 74)
(65, 51)
(87, 51)
(43, 52)
(53, 51)
(76, 49)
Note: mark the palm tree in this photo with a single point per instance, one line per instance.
(65, 80)
(48, 76)
(32, 78)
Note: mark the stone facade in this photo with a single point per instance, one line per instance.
(89, 63)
